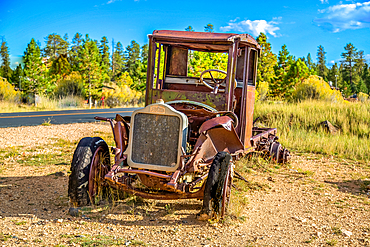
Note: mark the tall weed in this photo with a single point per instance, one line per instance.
(299, 128)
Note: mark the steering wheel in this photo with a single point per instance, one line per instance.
(216, 83)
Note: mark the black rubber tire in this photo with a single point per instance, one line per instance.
(213, 192)
(78, 184)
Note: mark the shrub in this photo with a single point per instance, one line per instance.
(7, 91)
(314, 87)
(71, 85)
(262, 90)
(121, 95)
(363, 97)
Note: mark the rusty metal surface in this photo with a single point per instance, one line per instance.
(217, 101)
(97, 171)
(199, 37)
(120, 133)
(259, 133)
(224, 121)
(136, 171)
(249, 116)
(158, 196)
(210, 128)
(225, 140)
(155, 139)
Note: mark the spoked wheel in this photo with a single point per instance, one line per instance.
(227, 190)
(89, 165)
(218, 188)
(99, 168)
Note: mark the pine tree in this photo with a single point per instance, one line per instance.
(366, 76)
(278, 85)
(74, 52)
(321, 68)
(358, 70)
(362, 87)
(335, 76)
(298, 71)
(65, 47)
(105, 62)
(189, 29)
(350, 57)
(33, 69)
(60, 67)
(118, 57)
(5, 70)
(132, 54)
(133, 64)
(143, 67)
(208, 28)
(55, 46)
(90, 69)
(310, 64)
(17, 77)
(266, 63)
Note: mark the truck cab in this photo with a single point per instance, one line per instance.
(171, 77)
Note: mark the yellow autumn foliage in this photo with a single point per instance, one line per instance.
(7, 92)
(121, 95)
(262, 91)
(363, 97)
(315, 88)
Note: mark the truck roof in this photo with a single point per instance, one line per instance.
(203, 40)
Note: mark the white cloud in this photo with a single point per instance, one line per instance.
(341, 17)
(255, 27)
(367, 57)
(112, 1)
(324, 1)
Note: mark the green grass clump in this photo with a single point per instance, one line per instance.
(331, 242)
(299, 128)
(20, 223)
(96, 240)
(4, 237)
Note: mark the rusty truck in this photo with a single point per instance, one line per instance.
(195, 124)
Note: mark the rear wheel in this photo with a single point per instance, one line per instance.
(217, 188)
(90, 164)
(278, 153)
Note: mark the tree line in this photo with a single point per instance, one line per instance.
(93, 66)
(279, 75)
(83, 59)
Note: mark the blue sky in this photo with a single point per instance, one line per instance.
(301, 25)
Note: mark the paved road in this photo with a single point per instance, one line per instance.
(59, 117)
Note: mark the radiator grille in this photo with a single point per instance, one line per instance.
(155, 139)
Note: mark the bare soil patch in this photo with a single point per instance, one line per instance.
(316, 201)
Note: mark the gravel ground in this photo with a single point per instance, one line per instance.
(31, 136)
(316, 201)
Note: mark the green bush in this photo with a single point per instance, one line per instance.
(7, 92)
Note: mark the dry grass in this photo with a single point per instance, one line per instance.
(298, 127)
(46, 104)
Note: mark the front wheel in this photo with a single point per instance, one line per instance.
(218, 187)
(91, 162)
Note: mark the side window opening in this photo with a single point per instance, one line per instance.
(176, 64)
